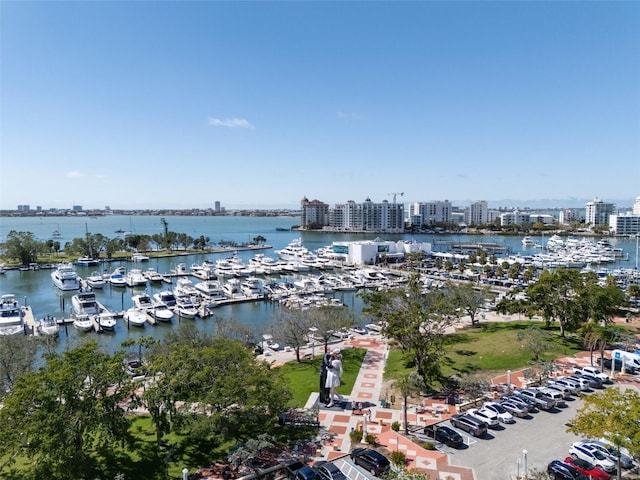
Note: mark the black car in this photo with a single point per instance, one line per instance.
(444, 434)
(306, 473)
(558, 470)
(469, 424)
(371, 460)
(329, 471)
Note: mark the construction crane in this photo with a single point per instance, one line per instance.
(394, 195)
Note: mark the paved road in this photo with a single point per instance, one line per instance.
(543, 435)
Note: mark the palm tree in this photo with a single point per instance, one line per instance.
(407, 385)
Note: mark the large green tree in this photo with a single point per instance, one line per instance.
(66, 416)
(213, 389)
(17, 356)
(23, 246)
(469, 298)
(416, 320)
(613, 414)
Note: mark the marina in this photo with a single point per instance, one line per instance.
(257, 309)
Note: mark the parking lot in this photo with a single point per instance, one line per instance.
(499, 455)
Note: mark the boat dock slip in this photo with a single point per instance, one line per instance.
(31, 327)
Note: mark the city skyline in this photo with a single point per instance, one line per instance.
(176, 105)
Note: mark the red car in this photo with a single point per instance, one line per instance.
(589, 469)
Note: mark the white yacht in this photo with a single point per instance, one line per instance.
(166, 296)
(116, 279)
(135, 317)
(233, 288)
(184, 286)
(293, 251)
(210, 291)
(527, 241)
(48, 326)
(11, 316)
(83, 323)
(252, 287)
(106, 321)
(161, 312)
(85, 303)
(186, 307)
(138, 257)
(65, 277)
(87, 261)
(95, 280)
(142, 301)
(135, 278)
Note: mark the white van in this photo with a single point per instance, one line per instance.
(627, 358)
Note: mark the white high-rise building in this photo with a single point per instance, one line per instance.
(598, 212)
(368, 217)
(430, 213)
(636, 207)
(476, 214)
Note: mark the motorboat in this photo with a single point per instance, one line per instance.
(186, 307)
(135, 317)
(138, 257)
(142, 301)
(48, 326)
(267, 340)
(83, 323)
(85, 303)
(135, 278)
(233, 288)
(65, 277)
(106, 321)
(294, 251)
(210, 290)
(11, 316)
(184, 286)
(252, 287)
(95, 280)
(161, 312)
(152, 275)
(116, 279)
(166, 296)
(87, 261)
(527, 241)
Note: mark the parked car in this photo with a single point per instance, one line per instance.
(594, 382)
(518, 401)
(565, 391)
(516, 409)
(444, 434)
(328, 471)
(556, 395)
(592, 455)
(626, 460)
(305, 473)
(487, 416)
(625, 456)
(371, 460)
(542, 401)
(469, 424)
(564, 382)
(504, 416)
(587, 468)
(533, 407)
(583, 382)
(558, 470)
(604, 378)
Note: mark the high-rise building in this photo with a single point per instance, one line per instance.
(430, 213)
(597, 212)
(367, 217)
(476, 214)
(315, 214)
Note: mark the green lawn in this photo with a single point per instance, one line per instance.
(304, 377)
(490, 347)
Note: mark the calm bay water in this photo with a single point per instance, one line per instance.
(38, 291)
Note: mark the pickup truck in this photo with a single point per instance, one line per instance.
(542, 401)
(604, 378)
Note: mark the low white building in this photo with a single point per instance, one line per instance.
(371, 252)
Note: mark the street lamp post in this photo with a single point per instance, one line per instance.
(185, 474)
(524, 464)
(364, 429)
(508, 382)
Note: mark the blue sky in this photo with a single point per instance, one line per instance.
(257, 104)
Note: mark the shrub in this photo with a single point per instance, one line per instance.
(355, 436)
(399, 459)
(371, 439)
(395, 426)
